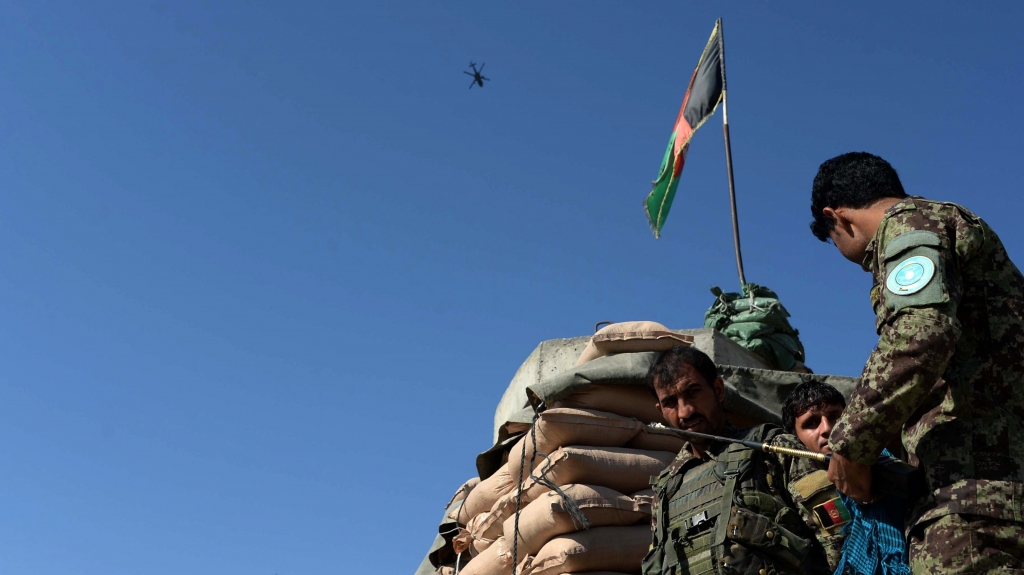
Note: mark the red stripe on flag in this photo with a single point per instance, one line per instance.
(833, 512)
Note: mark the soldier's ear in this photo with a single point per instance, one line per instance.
(719, 386)
(839, 218)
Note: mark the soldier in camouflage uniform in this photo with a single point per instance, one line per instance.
(948, 370)
(728, 509)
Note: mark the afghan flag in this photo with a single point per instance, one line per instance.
(706, 89)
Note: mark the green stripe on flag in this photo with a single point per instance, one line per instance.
(659, 201)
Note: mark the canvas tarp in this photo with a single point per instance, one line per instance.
(631, 369)
(768, 388)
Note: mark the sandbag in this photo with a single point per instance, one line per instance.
(549, 516)
(625, 400)
(614, 548)
(464, 542)
(463, 491)
(561, 427)
(631, 337)
(657, 438)
(483, 496)
(621, 469)
(624, 470)
(487, 563)
(487, 527)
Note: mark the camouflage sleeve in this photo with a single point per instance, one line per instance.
(918, 332)
(815, 499)
(912, 353)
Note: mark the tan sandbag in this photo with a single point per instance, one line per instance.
(556, 428)
(463, 491)
(464, 542)
(483, 529)
(630, 337)
(548, 516)
(655, 438)
(624, 470)
(479, 546)
(483, 496)
(487, 563)
(625, 400)
(613, 548)
(489, 525)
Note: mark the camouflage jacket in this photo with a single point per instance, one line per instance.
(801, 482)
(949, 366)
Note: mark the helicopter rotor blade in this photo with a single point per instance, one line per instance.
(468, 74)
(485, 78)
(472, 83)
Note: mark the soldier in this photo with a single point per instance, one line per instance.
(874, 543)
(948, 369)
(728, 508)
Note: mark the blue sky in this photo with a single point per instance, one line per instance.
(267, 268)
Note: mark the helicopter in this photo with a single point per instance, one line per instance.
(478, 77)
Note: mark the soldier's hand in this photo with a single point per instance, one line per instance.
(851, 478)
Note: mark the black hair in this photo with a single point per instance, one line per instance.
(852, 180)
(667, 367)
(805, 397)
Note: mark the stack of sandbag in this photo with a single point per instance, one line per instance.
(584, 500)
(566, 486)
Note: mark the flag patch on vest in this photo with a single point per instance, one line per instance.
(832, 513)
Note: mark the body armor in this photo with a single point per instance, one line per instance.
(729, 515)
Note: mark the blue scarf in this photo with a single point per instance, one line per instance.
(874, 538)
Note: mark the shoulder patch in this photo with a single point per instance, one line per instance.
(913, 271)
(809, 485)
(911, 275)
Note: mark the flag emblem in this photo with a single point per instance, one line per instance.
(832, 513)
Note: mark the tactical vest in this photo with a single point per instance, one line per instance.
(729, 516)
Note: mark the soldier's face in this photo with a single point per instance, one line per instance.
(848, 235)
(692, 403)
(814, 426)
(850, 246)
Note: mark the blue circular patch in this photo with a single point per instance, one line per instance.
(910, 276)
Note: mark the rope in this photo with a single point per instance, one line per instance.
(457, 559)
(579, 520)
(519, 492)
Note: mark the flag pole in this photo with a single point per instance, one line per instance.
(728, 159)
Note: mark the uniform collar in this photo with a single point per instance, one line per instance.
(869, 252)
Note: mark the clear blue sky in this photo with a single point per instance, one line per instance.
(266, 269)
